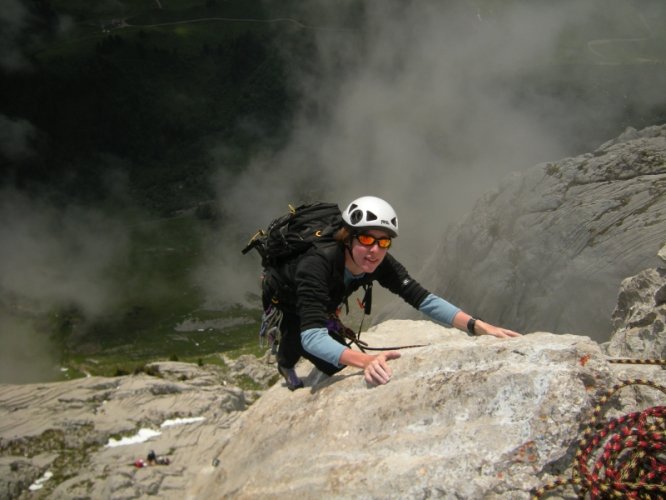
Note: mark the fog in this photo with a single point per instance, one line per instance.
(25, 354)
(422, 106)
(50, 259)
(58, 256)
(14, 17)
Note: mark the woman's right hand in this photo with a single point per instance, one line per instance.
(377, 371)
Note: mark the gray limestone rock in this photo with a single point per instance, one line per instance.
(461, 418)
(640, 317)
(548, 249)
(640, 334)
(73, 431)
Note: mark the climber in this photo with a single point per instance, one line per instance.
(322, 279)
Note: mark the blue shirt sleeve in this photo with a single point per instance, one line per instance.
(319, 343)
(439, 309)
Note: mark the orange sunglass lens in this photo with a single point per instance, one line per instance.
(367, 240)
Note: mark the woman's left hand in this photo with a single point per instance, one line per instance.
(483, 328)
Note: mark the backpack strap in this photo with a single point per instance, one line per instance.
(367, 298)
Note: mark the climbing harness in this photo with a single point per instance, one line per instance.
(350, 337)
(623, 458)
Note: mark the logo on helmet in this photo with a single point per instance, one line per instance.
(356, 216)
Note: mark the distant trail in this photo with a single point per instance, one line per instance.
(592, 44)
(125, 24)
(608, 41)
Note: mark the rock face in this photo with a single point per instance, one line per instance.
(639, 319)
(549, 248)
(640, 334)
(462, 418)
(65, 429)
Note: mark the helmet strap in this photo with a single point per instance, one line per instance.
(348, 247)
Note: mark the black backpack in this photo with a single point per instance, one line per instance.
(285, 238)
(295, 232)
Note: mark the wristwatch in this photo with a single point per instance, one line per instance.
(470, 326)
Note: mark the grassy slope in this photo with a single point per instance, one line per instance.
(160, 312)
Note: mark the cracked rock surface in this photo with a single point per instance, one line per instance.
(86, 434)
(549, 248)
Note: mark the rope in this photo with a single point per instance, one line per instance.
(354, 338)
(630, 361)
(393, 348)
(632, 463)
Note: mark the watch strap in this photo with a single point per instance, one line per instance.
(470, 326)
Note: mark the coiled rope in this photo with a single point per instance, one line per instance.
(627, 454)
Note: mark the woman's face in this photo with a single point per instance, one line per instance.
(366, 258)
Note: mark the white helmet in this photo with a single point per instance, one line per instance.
(370, 212)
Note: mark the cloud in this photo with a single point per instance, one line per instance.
(25, 355)
(14, 18)
(50, 258)
(426, 104)
(24, 24)
(16, 137)
(54, 257)
(421, 116)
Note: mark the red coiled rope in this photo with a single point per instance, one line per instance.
(627, 455)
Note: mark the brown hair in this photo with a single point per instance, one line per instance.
(343, 235)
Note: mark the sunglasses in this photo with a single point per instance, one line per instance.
(367, 241)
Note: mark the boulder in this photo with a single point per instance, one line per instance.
(639, 319)
(639, 334)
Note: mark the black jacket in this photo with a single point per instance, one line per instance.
(313, 287)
